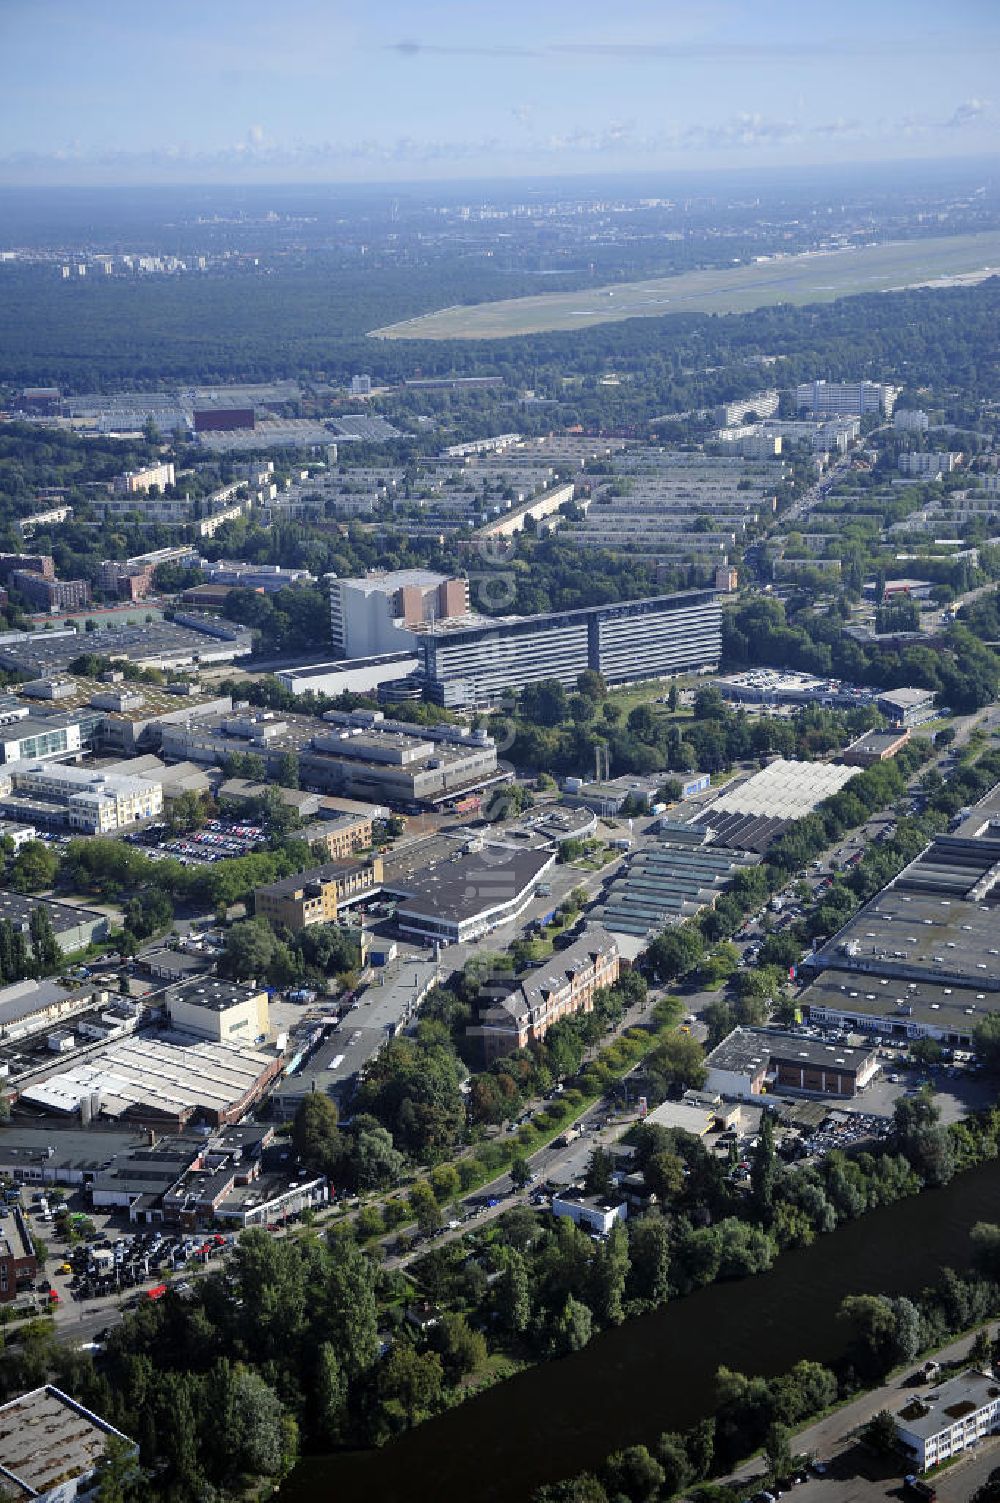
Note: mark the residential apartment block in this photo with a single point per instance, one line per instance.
(564, 984)
(33, 563)
(138, 482)
(45, 594)
(832, 398)
(763, 404)
(928, 466)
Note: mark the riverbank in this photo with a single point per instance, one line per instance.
(657, 1372)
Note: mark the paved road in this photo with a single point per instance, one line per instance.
(931, 621)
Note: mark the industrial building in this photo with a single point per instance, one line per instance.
(923, 958)
(380, 613)
(897, 1010)
(88, 800)
(609, 796)
(220, 1010)
(907, 707)
(775, 686)
(750, 1061)
(340, 837)
(360, 754)
(380, 1013)
(33, 738)
(318, 896)
(469, 894)
(590, 1211)
(161, 1080)
(470, 665)
(53, 1154)
(28, 1007)
(349, 676)
(784, 789)
(74, 927)
(51, 1447)
(110, 714)
(564, 984)
(875, 746)
(182, 643)
(665, 883)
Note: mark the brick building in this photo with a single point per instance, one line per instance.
(46, 594)
(127, 580)
(564, 984)
(18, 1263)
(35, 563)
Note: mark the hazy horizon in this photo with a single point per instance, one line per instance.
(239, 94)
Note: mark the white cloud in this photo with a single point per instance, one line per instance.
(622, 139)
(967, 113)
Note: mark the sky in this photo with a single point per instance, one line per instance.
(226, 91)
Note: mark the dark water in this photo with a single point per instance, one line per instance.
(656, 1373)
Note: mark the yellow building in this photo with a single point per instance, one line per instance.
(339, 837)
(220, 1010)
(317, 896)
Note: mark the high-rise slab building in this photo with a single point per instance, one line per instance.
(853, 398)
(477, 663)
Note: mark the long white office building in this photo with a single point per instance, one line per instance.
(476, 664)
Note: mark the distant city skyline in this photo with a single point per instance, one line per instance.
(243, 91)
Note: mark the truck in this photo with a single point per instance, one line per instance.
(568, 1137)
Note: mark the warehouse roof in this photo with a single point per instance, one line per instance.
(473, 882)
(950, 1009)
(47, 1438)
(212, 993)
(18, 908)
(165, 1073)
(786, 790)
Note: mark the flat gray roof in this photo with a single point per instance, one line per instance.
(746, 1049)
(951, 1009)
(18, 907)
(47, 1438)
(472, 882)
(929, 1413)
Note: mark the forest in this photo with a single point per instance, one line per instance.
(311, 325)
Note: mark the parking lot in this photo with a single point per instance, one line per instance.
(219, 840)
(114, 1259)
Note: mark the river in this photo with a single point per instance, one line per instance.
(656, 1372)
